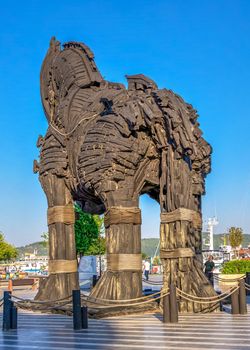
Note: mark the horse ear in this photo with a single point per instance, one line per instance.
(63, 72)
(140, 82)
(54, 44)
(76, 65)
(52, 41)
(47, 88)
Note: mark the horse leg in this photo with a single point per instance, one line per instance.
(123, 278)
(180, 242)
(63, 275)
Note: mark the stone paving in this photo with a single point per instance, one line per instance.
(46, 331)
(219, 331)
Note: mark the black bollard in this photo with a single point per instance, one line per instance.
(6, 310)
(13, 317)
(173, 304)
(166, 309)
(84, 313)
(235, 309)
(221, 305)
(94, 281)
(77, 317)
(212, 279)
(248, 282)
(242, 297)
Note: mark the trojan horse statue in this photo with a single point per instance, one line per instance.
(105, 146)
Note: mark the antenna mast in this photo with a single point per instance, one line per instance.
(210, 225)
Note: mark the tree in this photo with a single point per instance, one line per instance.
(45, 241)
(156, 260)
(235, 237)
(7, 251)
(88, 229)
(88, 234)
(97, 247)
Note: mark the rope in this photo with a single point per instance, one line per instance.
(41, 302)
(188, 298)
(132, 304)
(61, 213)
(205, 298)
(123, 300)
(247, 286)
(23, 303)
(62, 265)
(23, 306)
(228, 280)
(152, 282)
(182, 214)
(76, 126)
(34, 284)
(122, 215)
(123, 262)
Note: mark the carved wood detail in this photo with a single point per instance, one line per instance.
(105, 145)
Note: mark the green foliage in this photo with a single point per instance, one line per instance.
(45, 237)
(99, 220)
(87, 233)
(7, 251)
(235, 236)
(144, 256)
(156, 260)
(221, 238)
(97, 247)
(39, 247)
(149, 245)
(236, 266)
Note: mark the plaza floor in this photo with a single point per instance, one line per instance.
(48, 331)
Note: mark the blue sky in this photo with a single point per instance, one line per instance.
(199, 49)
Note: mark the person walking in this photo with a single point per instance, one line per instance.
(146, 269)
(209, 268)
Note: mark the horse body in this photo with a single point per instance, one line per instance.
(105, 146)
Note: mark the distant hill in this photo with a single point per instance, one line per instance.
(218, 240)
(148, 245)
(246, 240)
(39, 247)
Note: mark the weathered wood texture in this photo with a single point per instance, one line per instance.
(118, 283)
(61, 243)
(106, 145)
(185, 272)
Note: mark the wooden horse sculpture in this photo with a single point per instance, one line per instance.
(104, 147)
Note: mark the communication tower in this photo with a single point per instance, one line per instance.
(211, 222)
